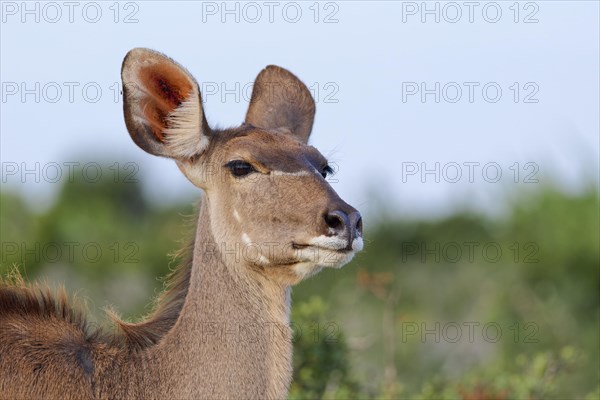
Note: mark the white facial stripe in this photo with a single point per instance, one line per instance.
(297, 173)
(236, 215)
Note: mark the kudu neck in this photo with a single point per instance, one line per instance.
(234, 324)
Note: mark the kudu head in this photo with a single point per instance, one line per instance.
(266, 189)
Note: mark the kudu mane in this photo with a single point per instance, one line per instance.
(36, 303)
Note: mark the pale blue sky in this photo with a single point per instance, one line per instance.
(361, 64)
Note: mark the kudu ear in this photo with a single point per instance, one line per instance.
(162, 106)
(281, 101)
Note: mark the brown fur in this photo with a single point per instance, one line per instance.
(221, 328)
(167, 308)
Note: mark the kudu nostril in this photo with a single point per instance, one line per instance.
(336, 220)
(358, 225)
(344, 225)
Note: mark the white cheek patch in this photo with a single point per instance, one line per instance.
(262, 260)
(246, 239)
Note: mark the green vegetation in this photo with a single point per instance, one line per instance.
(467, 307)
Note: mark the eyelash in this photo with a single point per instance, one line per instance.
(327, 170)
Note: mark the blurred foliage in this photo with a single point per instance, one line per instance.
(534, 378)
(467, 307)
(321, 365)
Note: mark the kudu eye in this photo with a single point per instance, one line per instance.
(240, 168)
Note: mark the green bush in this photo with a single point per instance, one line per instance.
(321, 366)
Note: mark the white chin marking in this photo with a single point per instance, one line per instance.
(323, 251)
(330, 242)
(316, 258)
(333, 242)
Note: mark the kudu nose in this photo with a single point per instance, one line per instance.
(344, 225)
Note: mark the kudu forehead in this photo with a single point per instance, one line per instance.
(273, 150)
